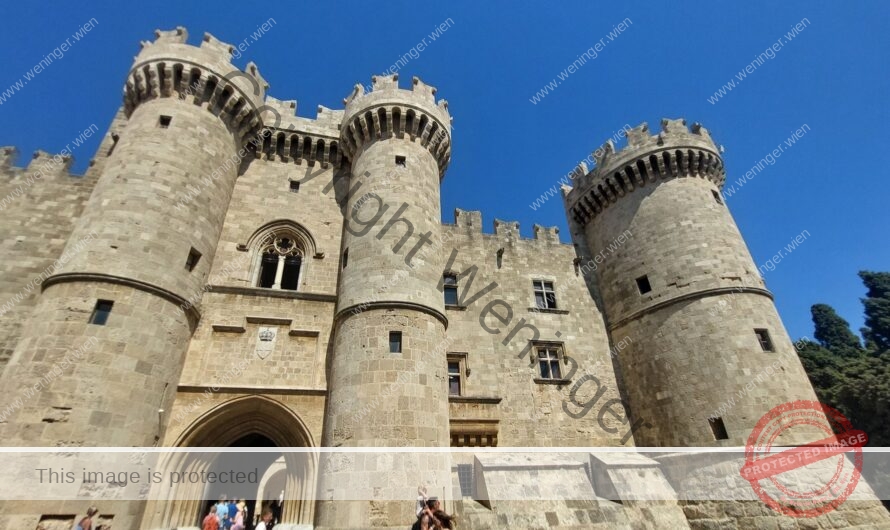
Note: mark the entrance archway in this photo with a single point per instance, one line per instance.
(254, 422)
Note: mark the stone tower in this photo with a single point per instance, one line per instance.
(683, 291)
(152, 225)
(390, 322)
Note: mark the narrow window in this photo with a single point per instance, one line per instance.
(401, 161)
(545, 296)
(764, 339)
(114, 139)
(548, 361)
(164, 121)
(268, 269)
(294, 186)
(717, 196)
(290, 276)
(451, 289)
(643, 284)
(101, 312)
(395, 342)
(454, 377)
(718, 428)
(345, 258)
(192, 260)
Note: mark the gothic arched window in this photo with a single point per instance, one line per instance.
(280, 255)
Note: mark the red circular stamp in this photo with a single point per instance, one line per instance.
(772, 474)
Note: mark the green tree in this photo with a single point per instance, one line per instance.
(833, 332)
(877, 310)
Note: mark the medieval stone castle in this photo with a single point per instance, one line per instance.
(227, 273)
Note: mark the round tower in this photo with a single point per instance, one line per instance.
(702, 350)
(114, 319)
(390, 334)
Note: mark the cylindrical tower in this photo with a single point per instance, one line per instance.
(702, 350)
(106, 341)
(390, 315)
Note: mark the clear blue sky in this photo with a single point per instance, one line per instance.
(833, 77)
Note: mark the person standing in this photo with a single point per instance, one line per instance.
(87, 522)
(211, 522)
(265, 519)
(222, 511)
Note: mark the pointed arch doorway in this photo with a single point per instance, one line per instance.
(258, 424)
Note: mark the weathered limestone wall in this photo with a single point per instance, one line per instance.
(531, 412)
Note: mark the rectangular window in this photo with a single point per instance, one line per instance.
(101, 312)
(454, 377)
(164, 121)
(401, 161)
(766, 343)
(548, 361)
(545, 295)
(451, 289)
(717, 196)
(643, 284)
(192, 260)
(294, 186)
(345, 258)
(395, 342)
(718, 429)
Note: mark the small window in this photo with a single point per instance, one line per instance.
(401, 161)
(718, 429)
(268, 269)
(763, 337)
(643, 284)
(164, 121)
(290, 274)
(192, 260)
(395, 342)
(294, 186)
(454, 377)
(717, 196)
(101, 312)
(548, 361)
(545, 296)
(451, 289)
(345, 258)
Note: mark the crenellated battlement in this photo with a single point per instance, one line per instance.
(676, 151)
(291, 138)
(171, 68)
(391, 112)
(470, 222)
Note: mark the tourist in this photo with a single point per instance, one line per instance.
(238, 520)
(265, 519)
(421, 500)
(233, 511)
(87, 522)
(433, 517)
(222, 511)
(211, 522)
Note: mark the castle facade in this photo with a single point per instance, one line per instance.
(227, 273)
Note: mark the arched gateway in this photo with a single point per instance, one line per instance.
(249, 422)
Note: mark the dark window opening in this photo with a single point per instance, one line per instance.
(717, 196)
(643, 284)
(101, 312)
(294, 186)
(545, 295)
(401, 161)
(450, 289)
(268, 269)
(192, 260)
(548, 361)
(345, 258)
(395, 342)
(164, 121)
(454, 378)
(766, 343)
(718, 428)
(290, 276)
